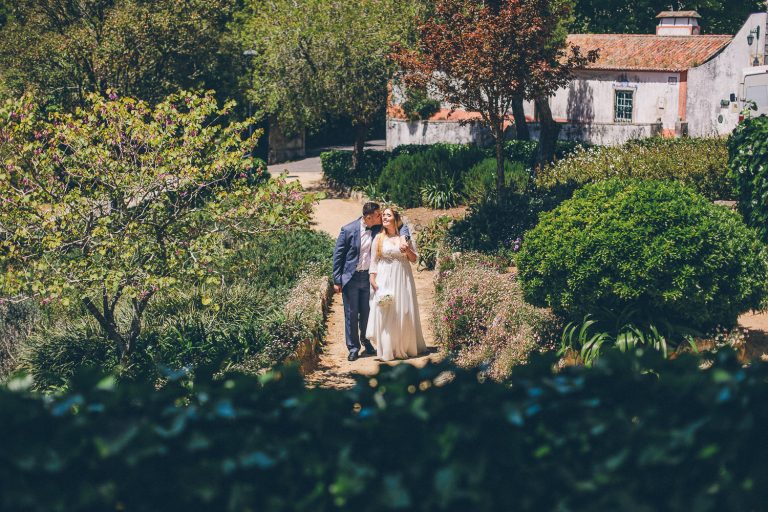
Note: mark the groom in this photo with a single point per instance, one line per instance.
(351, 260)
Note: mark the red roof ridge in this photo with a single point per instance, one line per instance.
(650, 52)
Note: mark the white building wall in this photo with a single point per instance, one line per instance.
(586, 106)
(715, 80)
(589, 98)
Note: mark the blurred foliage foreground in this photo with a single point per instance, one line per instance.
(684, 436)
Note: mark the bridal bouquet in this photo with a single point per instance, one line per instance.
(384, 298)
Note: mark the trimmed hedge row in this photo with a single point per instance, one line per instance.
(613, 437)
(337, 164)
(699, 162)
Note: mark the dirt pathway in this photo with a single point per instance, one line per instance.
(333, 369)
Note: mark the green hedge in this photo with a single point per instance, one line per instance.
(496, 225)
(338, 173)
(657, 248)
(337, 164)
(613, 437)
(700, 163)
(748, 156)
(480, 179)
(405, 175)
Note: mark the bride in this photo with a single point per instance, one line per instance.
(394, 323)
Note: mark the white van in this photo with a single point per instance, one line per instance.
(754, 88)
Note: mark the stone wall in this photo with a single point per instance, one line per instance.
(282, 147)
(400, 131)
(430, 132)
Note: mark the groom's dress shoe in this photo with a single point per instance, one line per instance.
(352, 356)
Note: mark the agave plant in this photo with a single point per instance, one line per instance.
(626, 336)
(576, 337)
(441, 195)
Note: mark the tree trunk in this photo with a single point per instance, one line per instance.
(500, 179)
(106, 318)
(549, 132)
(521, 125)
(361, 133)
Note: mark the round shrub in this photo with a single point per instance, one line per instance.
(657, 248)
(748, 157)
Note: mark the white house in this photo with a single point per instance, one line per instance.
(672, 83)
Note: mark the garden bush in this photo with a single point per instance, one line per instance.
(480, 180)
(279, 259)
(338, 172)
(658, 248)
(611, 437)
(496, 224)
(406, 175)
(481, 318)
(247, 320)
(437, 162)
(17, 321)
(525, 150)
(700, 163)
(748, 157)
(431, 240)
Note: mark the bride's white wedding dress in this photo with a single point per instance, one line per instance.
(394, 325)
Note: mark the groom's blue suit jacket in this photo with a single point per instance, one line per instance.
(347, 251)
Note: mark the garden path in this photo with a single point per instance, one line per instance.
(333, 369)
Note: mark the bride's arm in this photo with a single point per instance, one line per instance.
(410, 249)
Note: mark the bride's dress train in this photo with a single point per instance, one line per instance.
(395, 327)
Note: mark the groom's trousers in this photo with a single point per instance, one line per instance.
(356, 296)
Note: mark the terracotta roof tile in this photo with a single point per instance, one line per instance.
(649, 52)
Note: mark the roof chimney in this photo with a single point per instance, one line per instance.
(678, 23)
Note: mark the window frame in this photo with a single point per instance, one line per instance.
(631, 93)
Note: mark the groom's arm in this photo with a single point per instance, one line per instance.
(404, 231)
(339, 253)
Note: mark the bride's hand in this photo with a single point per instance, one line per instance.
(403, 245)
(372, 280)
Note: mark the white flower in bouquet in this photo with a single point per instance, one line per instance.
(384, 298)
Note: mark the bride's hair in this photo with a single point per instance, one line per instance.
(381, 236)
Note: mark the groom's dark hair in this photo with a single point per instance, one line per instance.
(369, 208)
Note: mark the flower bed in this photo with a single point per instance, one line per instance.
(481, 318)
(308, 304)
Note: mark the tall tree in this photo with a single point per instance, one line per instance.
(64, 50)
(118, 200)
(639, 16)
(315, 58)
(484, 56)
